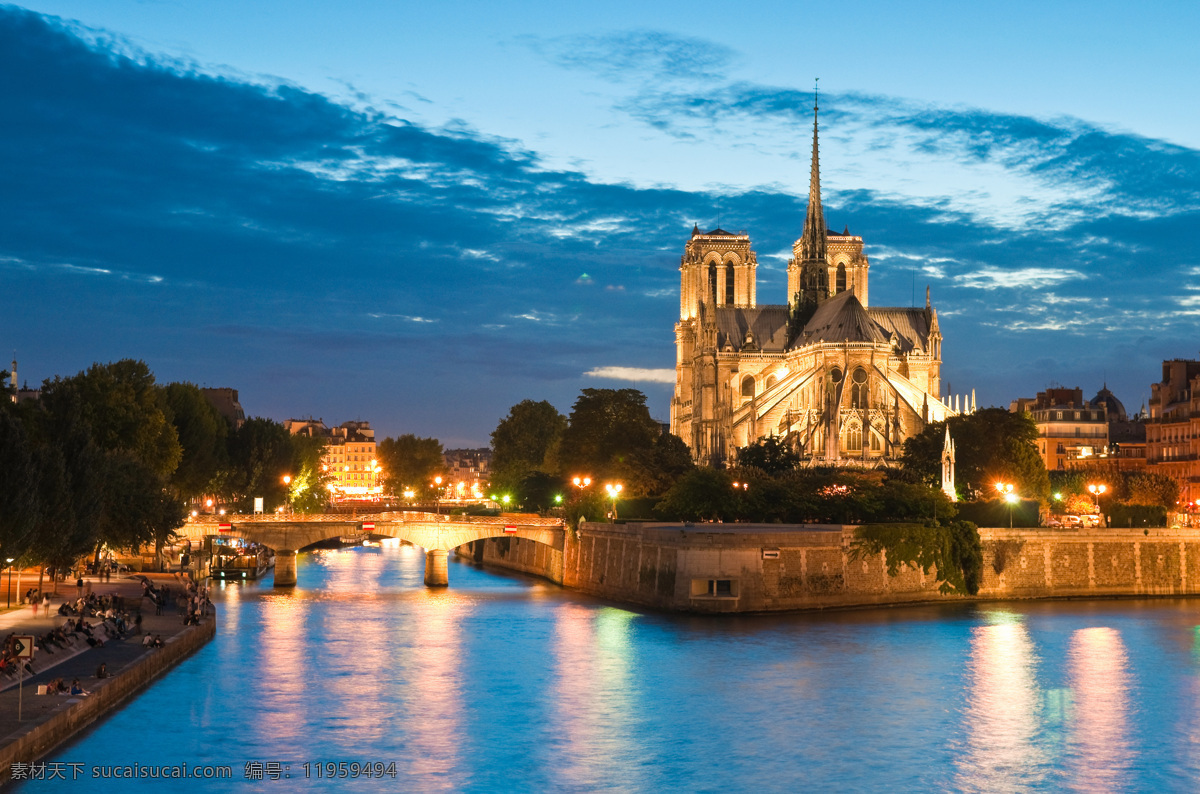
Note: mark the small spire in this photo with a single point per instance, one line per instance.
(927, 302)
(695, 229)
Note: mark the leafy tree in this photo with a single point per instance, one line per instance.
(540, 491)
(1151, 489)
(260, 455)
(771, 454)
(526, 441)
(122, 409)
(202, 433)
(654, 470)
(410, 462)
(992, 445)
(19, 495)
(309, 490)
(610, 436)
(700, 495)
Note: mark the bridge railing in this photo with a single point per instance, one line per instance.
(390, 517)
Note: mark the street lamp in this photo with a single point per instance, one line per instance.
(10, 562)
(437, 494)
(613, 489)
(1096, 490)
(287, 484)
(1006, 493)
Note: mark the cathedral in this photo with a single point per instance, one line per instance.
(841, 381)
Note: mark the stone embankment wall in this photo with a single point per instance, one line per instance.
(771, 567)
(105, 697)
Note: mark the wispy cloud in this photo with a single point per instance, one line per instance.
(637, 55)
(1016, 278)
(636, 374)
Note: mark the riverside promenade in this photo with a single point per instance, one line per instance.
(49, 720)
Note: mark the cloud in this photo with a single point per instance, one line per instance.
(636, 374)
(290, 229)
(640, 55)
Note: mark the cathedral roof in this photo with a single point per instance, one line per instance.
(768, 324)
(910, 327)
(842, 318)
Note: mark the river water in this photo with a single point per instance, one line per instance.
(505, 683)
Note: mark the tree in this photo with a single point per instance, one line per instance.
(992, 445)
(309, 489)
(771, 454)
(122, 409)
(1151, 489)
(410, 463)
(202, 433)
(700, 495)
(610, 436)
(260, 455)
(524, 442)
(19, 495)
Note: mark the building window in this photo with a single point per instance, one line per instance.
(858, 389)
(714, 588)
(729, 284)
(854, 438)
(747, 388)
(841, 278)
(712, 283)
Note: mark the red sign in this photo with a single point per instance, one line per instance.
(223, 527)
(368, 526)
(510, 529)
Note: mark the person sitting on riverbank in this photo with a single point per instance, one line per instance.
(77, 688)
(148, 641)
(102, 670)
(158, 641)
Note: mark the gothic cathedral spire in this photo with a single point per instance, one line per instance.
(808, 272)
(813, 242)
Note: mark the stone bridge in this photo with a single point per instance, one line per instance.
(437, 534)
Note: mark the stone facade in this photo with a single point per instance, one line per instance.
(1173, 428)
(844, 383)
(764, 568)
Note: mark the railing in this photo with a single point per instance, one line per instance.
(391, 517)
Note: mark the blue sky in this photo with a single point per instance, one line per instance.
(420, 214)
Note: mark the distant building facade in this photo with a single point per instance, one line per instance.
(844, 383)
(1076, 433)
(349, 459)
(468, 472)
(1173, 426)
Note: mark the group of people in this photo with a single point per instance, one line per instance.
(58, 686)
(194, 604)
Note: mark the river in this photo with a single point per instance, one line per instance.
(510, 683)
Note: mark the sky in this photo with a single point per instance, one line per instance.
(422, 214)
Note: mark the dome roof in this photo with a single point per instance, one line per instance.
(1116, 411)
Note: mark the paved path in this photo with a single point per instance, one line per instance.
(74, 663)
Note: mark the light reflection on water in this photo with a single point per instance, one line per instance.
(506, 683)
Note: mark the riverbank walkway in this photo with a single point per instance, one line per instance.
(81, 660)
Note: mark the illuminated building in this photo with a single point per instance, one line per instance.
(349, 458)
(841, 381)
(1173, 427)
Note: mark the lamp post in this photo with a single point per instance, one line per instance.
(437, 494)
(1096, 490)
(613, 489)
(1006, 492)
(10, 562)
(287, 484)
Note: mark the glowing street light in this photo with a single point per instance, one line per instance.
(613, 489)
(1096, 490)
(742, 486)
(1006, 493)
(10, 562)
(581, 482)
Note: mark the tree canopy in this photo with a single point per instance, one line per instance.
(524, 442)
(992, 445)
(411, 463)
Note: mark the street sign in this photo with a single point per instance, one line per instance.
(224, 527)
(368, 526)
(23, 645)
(510, 529)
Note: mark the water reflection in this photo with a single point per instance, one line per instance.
(433, 696)
(282, 668)
(1002, 717)
(1101, 753)
(594, 696)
